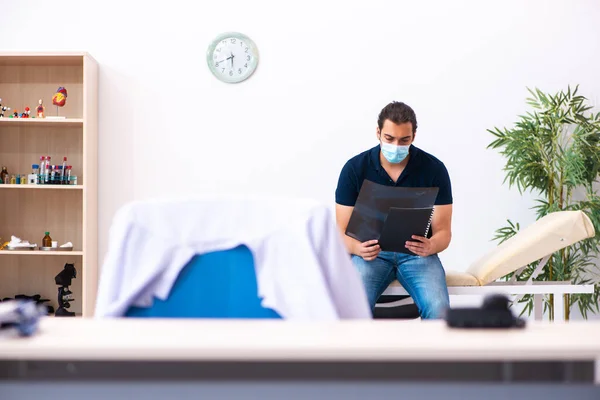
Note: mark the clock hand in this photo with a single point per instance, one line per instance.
(225, 59)
(231, 59)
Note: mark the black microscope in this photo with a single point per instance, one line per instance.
(64, 294)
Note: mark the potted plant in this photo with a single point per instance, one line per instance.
(553, 151)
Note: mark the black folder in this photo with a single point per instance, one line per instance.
(391, 214)
(401, 224)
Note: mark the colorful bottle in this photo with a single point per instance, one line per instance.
(4, 175)
(41, 172)
(63, 170)
(47, 169)
(47, 240)
(59, 176)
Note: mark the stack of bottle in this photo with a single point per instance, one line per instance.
(6, 178)
(44, 173)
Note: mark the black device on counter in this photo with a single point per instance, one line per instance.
(63, 279)
(494, 313)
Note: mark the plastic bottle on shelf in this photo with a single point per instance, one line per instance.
(52, 174)
(59, 176)
(46, 169)
(68, 175)
(42, 169)
(47, 240)
(63, 170)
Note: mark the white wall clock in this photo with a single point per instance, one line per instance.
(232, 57)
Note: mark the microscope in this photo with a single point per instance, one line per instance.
(63, 279)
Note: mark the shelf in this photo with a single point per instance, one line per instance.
(47, 187)
(41, 121)
(40, 253)
(61, 58)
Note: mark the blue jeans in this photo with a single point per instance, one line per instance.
(423, 278)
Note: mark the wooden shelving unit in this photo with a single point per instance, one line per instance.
(68, 212)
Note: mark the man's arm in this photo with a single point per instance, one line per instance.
(342, 217)
(368, 250)
(441, 224)
(441, 228)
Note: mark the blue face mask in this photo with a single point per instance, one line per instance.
(394, 154)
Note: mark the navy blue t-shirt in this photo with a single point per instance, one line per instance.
(422, 170)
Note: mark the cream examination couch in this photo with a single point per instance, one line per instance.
(538, 241)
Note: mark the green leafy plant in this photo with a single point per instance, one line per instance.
(553, 151)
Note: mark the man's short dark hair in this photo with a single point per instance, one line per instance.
(398, 113)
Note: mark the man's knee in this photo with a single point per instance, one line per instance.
(361, 267)
(435, 308)
(370, 278)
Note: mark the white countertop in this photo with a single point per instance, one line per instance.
(276, 340)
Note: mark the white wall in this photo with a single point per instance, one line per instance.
(167, 126)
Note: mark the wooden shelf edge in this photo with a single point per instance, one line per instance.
(45, 58)
(40, 253)
(41, 121)
(47, 187)
(43, 53)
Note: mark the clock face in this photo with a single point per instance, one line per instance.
(232, 57)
